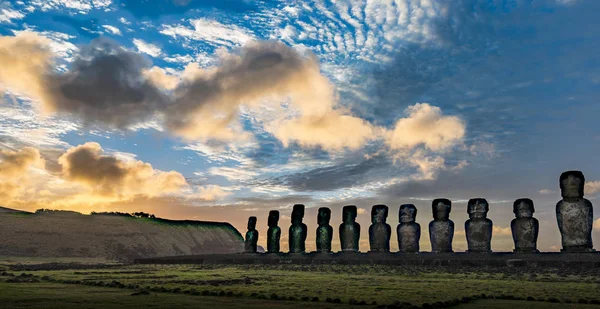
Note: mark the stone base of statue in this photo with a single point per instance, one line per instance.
(578, 250)
(526, 250)
(478, 251)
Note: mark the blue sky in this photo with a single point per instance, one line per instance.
(415, 99)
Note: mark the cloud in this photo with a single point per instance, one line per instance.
(160, 78)
(7, 15)
(109, 85)
(105, 83)
(107, 175)
(501, 231)
(546, 191)
(210, 193)
(260, 72)
(147, 48)
(24, 58)
(597, 224)
(592, 187)
(427, 126)
(14, 163)
(331, 131)
(211, 31)
(15, 167)
(112, 29)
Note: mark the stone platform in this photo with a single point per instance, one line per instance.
(497, 259)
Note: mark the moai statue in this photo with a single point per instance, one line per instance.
(574, 214)
(273, 233)
(379, 231)
(251, 236)
(349, 229)
(478, 228)
(524, 227)
(324, 231)
(409, 232)
(298, 230)
(441, 229)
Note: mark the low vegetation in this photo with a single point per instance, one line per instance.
(286, 286)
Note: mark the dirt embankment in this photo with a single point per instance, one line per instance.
(69, 234)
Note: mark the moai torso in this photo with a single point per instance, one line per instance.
(349, 229)
(409, 232)
(478, 228)
(441, 229)
(324, 231)
(574, 214)
(524, 227)
(379, 231)
(298, 230)
(251, 236)
(273, 233)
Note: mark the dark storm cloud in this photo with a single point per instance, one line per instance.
(105, 85)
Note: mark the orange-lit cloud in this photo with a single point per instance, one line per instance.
(25, 59)
(501, 231)
(426, 125)
(87, 178)
(107, 175)
(204, 104)
(209, 193)
(592, 187)
(14, 170)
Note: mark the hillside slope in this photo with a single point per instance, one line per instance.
(70, 234)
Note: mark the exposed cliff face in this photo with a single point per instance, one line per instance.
(111, 237)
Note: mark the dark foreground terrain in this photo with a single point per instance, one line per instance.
(38, 284)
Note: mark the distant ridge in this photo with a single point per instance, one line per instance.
(10, 210)
(120, 237)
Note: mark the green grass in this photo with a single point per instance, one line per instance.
(379, 283)
(53, 295)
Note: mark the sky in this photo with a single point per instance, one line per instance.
(221, 110)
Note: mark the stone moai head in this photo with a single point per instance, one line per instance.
(324, 216)
(297, 214)
(408, 213)
(571, 184)
(441, 208)
(379, 214)
(478, 208)
(251, 223)
(523, 208)
(273, 218)
(349, 214)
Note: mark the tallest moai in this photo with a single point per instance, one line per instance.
(574, 214)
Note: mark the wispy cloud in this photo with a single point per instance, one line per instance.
(147, 48)
(210, 31)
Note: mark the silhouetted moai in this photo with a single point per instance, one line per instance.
(478, 228)
(298, 230)
(273, 233)
(251, 236)
(324, 231)
(441, 229)
(379, 231)
(409, 232)
(349, 229)
(574, 214)
(524, 227)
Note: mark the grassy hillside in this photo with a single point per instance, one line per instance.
(111, 237)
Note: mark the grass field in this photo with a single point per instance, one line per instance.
(60, 285)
